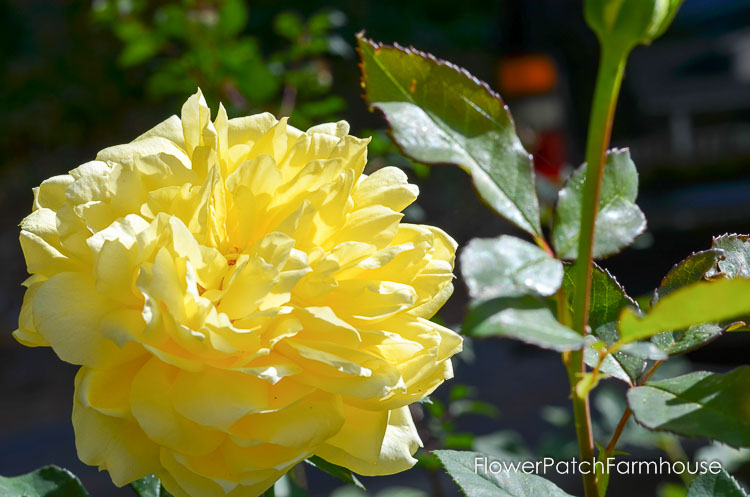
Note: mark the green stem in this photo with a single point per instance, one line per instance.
(542, 243)
(271, 492)
(609, 78)
(611, 70)
(626, 415)
(582, 420)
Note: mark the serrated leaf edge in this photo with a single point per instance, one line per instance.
(534, 225)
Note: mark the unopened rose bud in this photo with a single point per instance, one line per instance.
(624, 24)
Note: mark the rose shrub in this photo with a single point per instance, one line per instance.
(239, 296)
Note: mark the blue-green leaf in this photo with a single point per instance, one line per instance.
(149, 486)
(700, 404)
(715, 485)
(462, 467)
(695, 268)
(608, 298)
(736, 256)
(49, 481)
(619, 220)
(524, 319)
(441, 114)
(508, 267)
(342, 474)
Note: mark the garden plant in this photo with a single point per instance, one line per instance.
(244, 301)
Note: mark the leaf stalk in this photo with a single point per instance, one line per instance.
(626, 415)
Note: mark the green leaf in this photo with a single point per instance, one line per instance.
(232, 17)
(342, 474)
(507, 445)
(441, 114)
(644, 350)
(427, 460)
(610, 365)
(692, 269)
(695, 337)
(736, 261)
(608, 298)
(619, 220)
(468, 406)
(139, 50)
(699, 404)
(700, 302)
(149, 486)
(460, 391)
(670, 490)
(459, 441)
(289, 25)
(254, 78)
(319, 24)
(462, 467)
(323, 107)
(49, 481)
(715, 485)
(287, 485)
(527, 320)
(631, 364)
(508, 267)
(171, 21)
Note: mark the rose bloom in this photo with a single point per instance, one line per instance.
(240, 297)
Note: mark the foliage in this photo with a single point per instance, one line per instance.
(342, 474)
(206, 44)
(529, 320)
(49, 481)
(526, 290)
(710, 485)
(699, 404)
(149, 486)
(439, 114)
(697, 303)
(619, 220)
(507, 483)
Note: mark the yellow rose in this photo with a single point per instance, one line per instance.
(239, 296)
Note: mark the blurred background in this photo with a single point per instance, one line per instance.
(77, 76)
